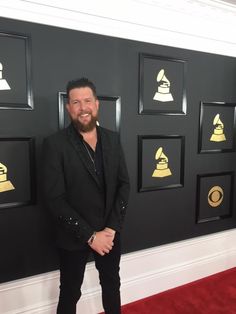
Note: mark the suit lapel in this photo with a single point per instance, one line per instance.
(83, 155)
(106, 154)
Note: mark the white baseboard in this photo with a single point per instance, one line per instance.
(143, 273)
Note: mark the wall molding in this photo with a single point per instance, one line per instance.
(202, 25)
(143, 273)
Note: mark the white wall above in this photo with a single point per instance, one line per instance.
(203, 25)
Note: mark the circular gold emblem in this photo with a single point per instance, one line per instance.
(215, 196)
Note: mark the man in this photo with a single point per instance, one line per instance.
(86, 189)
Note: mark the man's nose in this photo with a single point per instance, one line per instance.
(83, 105)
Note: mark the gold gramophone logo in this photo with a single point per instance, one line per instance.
(162, 168)
(215, 196)
(3, 83)
(163, 91)
(5, 185)
(218, 135)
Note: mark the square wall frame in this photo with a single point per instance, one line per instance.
(109, 112)
(214, 196)
(217, 127)
(160, 162)
(162, 85)
(17, 172)
(15, 72)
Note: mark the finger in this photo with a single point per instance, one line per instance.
(108, 234)
(109, 241)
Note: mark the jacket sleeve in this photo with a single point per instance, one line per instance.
(55, 193)
(117, 216)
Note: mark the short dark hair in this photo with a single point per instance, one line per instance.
(78, 83)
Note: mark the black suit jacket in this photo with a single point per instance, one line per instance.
(72, 191)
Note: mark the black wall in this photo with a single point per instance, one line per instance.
(153, 217)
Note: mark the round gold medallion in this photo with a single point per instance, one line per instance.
(215, 196)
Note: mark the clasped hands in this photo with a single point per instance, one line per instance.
(103, 242)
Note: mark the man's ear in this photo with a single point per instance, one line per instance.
(68, 107)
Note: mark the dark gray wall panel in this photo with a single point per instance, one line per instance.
(154, 217)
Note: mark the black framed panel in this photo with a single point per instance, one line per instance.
(15, 71)
(108, 116)
(17, 172)
(214, 196)
(160, 162)
(162, 85)
(217, 127)
(117, 61)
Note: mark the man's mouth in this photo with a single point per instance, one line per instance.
(83, 115)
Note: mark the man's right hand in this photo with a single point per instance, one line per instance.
(103, 242)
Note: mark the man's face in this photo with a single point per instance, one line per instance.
(83, 108)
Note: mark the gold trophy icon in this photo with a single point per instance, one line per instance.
(162, 169)
(5, 185)
(3, 83)
(163, 91)
(218, 135)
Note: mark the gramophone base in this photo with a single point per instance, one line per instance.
(161, 173)
(217, 138)
(6, 186)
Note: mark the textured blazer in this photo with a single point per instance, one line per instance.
(72, 191)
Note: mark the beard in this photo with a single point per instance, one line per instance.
(81, 127)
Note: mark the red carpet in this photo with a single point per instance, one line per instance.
(215, 294)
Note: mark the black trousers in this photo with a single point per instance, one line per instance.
(72, 267)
